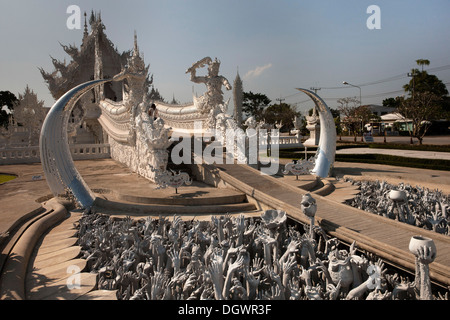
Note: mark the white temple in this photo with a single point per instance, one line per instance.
(119, 109)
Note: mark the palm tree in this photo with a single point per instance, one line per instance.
(423, 62)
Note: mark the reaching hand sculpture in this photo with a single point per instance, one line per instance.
(309, 208)
(416, 206)
(424, 251)
(235, 258)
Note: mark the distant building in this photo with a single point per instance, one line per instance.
(379, 111)
(382, 120)
(25, 121)
(394, 121)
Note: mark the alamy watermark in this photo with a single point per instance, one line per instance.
(374, 20)
(374, 273)
(228, 146)
(74, 280)
(74, 20)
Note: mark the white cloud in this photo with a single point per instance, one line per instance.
(257, 71)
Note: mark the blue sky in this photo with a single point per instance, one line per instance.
(277, 46)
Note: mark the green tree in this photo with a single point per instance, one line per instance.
(421, 109)
(421, 81)
(253, 104)
(446, 108)
(281, 113)
(428, 101)
(8, 100)
(392, 102)
(349, 119)
(423, 62)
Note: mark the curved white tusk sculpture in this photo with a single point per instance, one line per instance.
(327, 144)
(56, 159)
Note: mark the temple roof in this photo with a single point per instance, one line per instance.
(82, 65)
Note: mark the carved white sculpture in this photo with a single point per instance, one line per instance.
(300, 167)
(204, 109)
(297, 122)
(309, 208)
(417, 206)
(313, 125)
(137, 139)
(169, 178)
(152, 141)
(251, 123)
(213, 96)
(326, 151)
(59, 169)
(424, 251)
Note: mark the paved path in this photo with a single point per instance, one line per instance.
(401, 153)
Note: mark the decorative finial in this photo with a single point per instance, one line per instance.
(136, 49)
(85, 25)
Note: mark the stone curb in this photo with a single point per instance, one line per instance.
(12, 286)
(326, 189)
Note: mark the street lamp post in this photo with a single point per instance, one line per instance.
(360, 103)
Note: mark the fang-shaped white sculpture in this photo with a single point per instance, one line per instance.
(56, 159)
(326, 151)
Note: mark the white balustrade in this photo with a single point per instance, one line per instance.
(32, 155)
(284, 142)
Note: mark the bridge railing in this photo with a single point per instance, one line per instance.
(284, 142)
(31, 154)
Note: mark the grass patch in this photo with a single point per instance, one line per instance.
(6, 177)
(432, 164)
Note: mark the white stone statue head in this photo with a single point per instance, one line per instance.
(250, 123)
(214, 67)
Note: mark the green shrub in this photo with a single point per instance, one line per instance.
(398, 146)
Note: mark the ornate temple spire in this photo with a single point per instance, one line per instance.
(85, 34)
(98, 69)
(136, 48)
(238, 96)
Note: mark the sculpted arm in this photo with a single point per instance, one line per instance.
(226, 83)
(199, 64)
